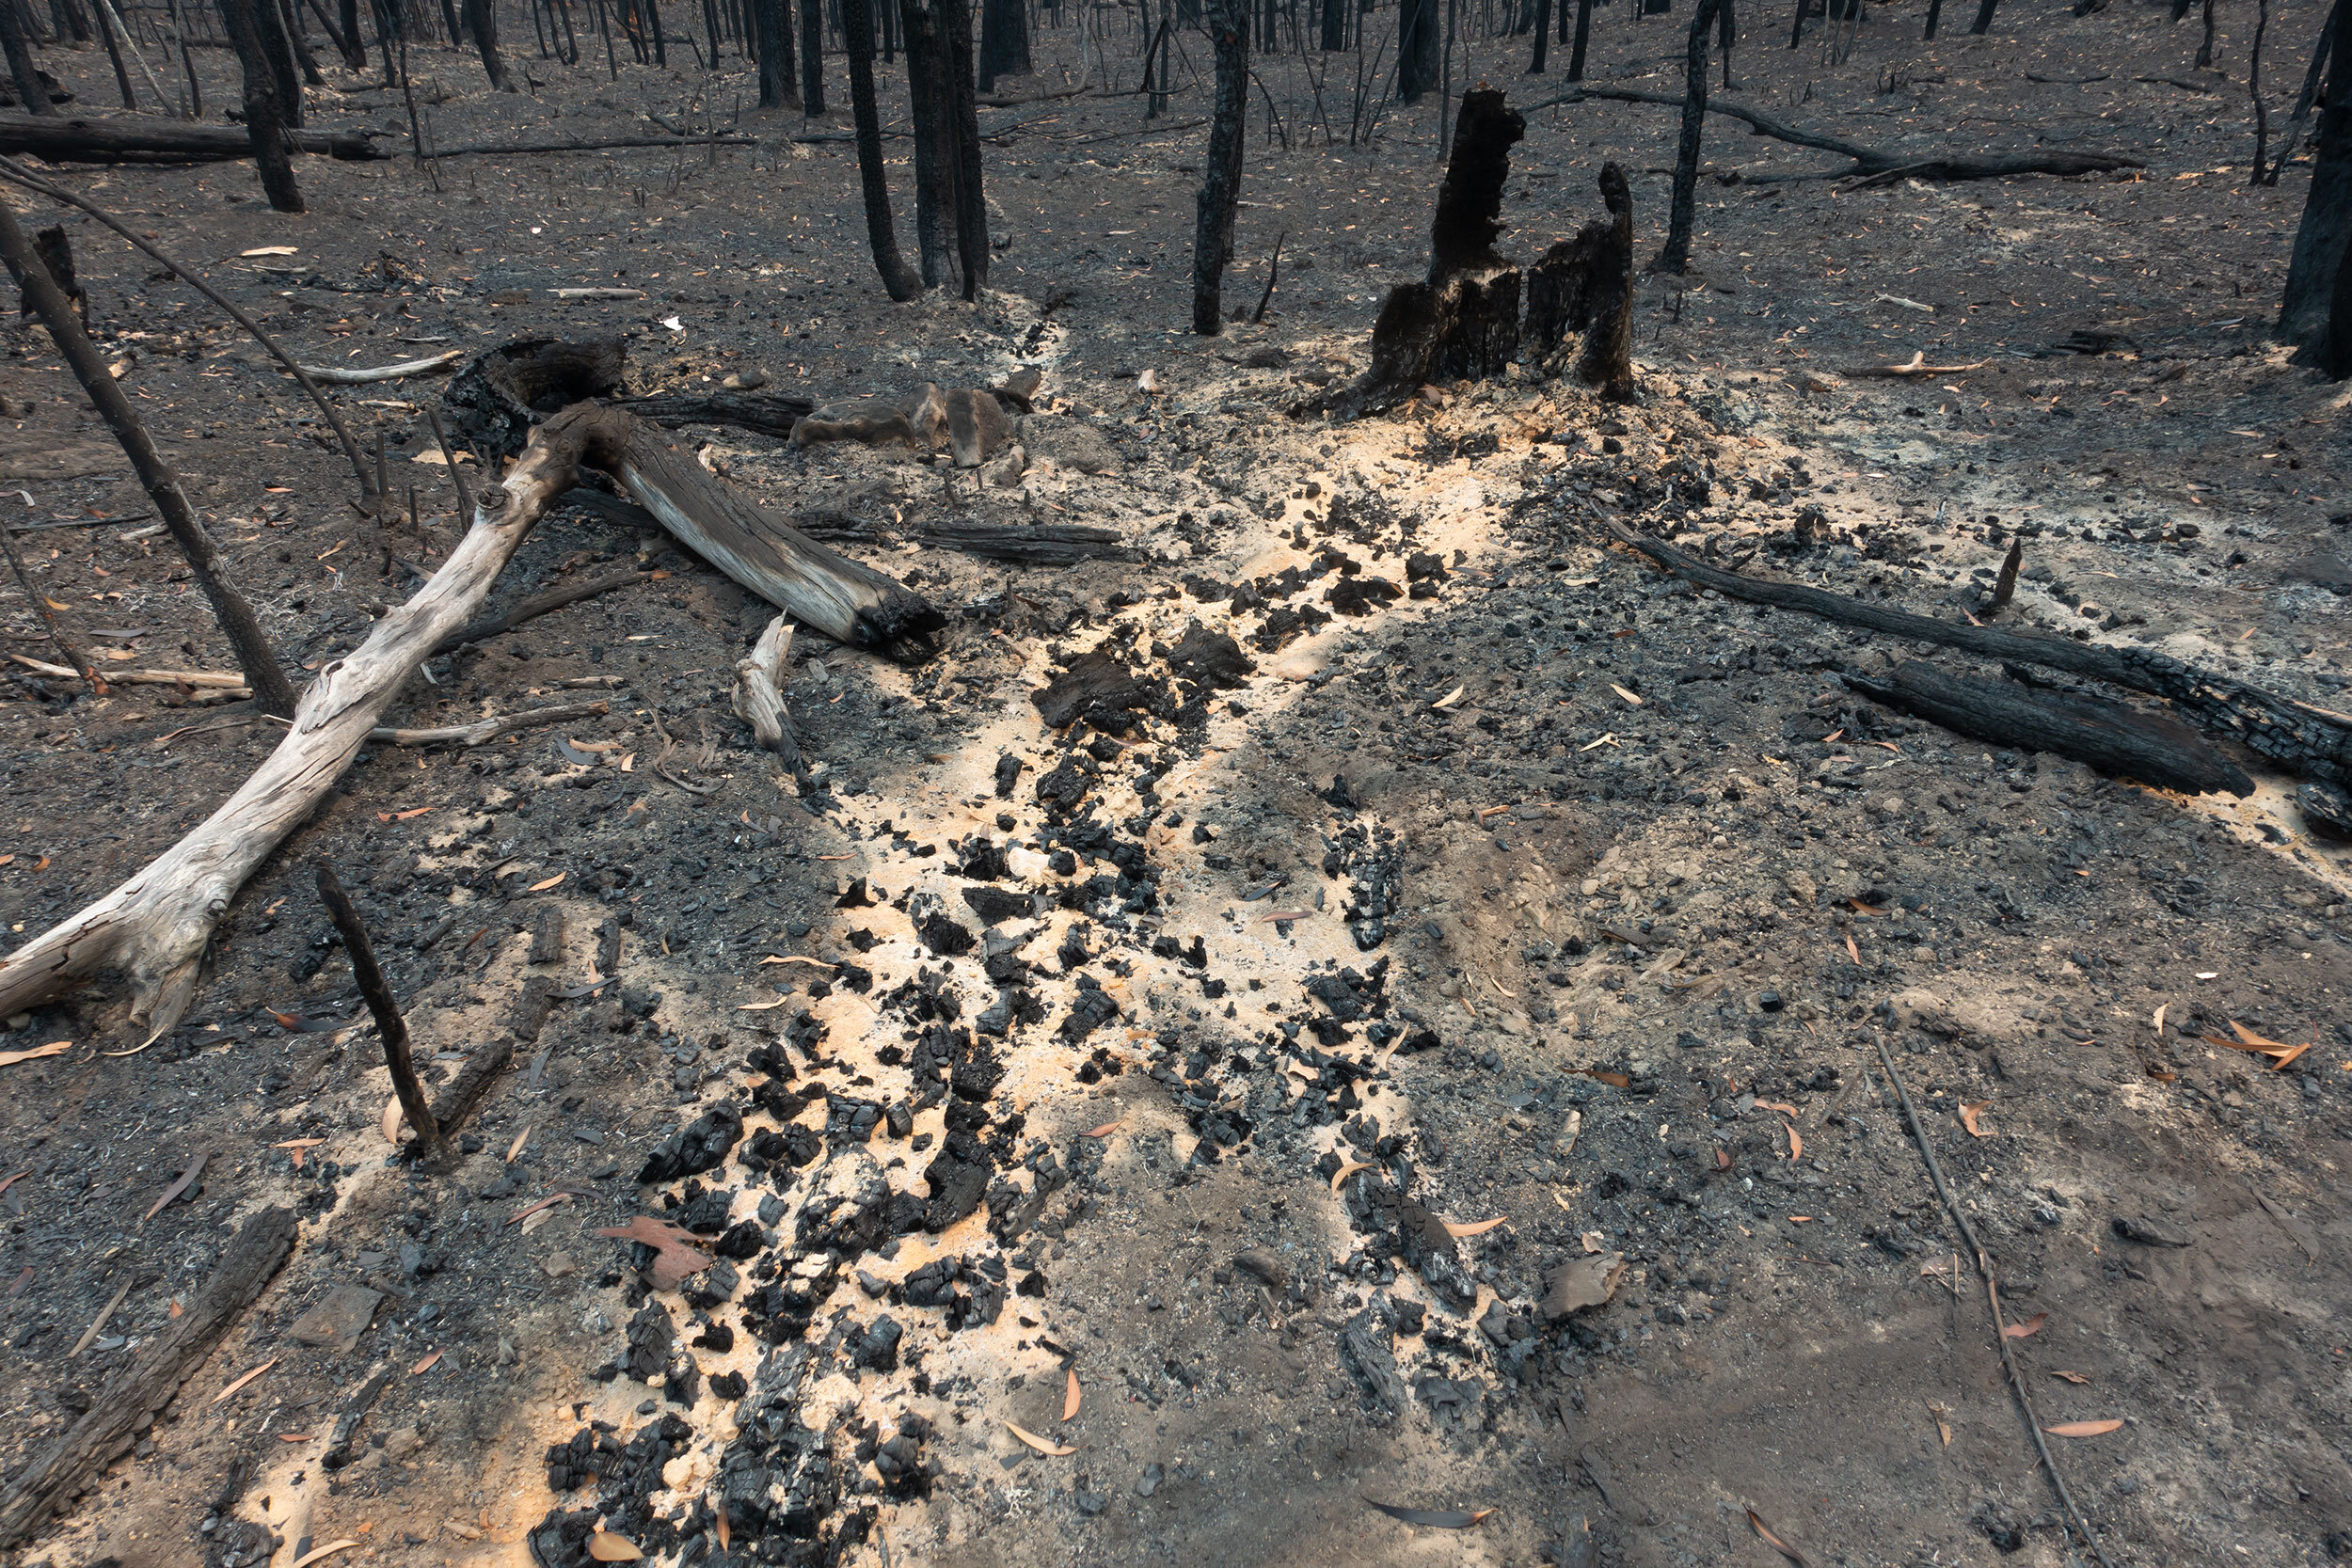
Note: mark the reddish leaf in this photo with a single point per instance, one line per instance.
(2025, 1330)
(673, 1257)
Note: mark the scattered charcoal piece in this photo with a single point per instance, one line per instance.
(1008, 774)
(701, 1145)
(938, 931)
(1096, 688)
(2149, 1232)
(997, 905)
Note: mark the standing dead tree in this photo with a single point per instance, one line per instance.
(236, 618)
(266, 115)
(2316, 313)
(1676, 256)
(857, 28)
(1220, 175)
(155, 928)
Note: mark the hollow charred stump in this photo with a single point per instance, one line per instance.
(1463, 323)
(1586, 285)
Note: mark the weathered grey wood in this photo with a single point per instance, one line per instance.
(135, 1396)
(155, 926)
(819, 588)
(759, 694)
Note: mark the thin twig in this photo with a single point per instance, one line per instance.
(389, 1023)
(76, 662)
(1992, 1299)
(448, 459)
(10, 170)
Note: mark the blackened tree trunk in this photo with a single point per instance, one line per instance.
(1984, 17)
(1935, 14)
(347, 45)
(2204, 46)
(961, 115)
(265, 116)
(773, 21)
(934, 164)
(291, 20)
(1004, 41)
(653, 30)
(270, 22)
(857, 32)
(1583, 31)
(66, 18)
(1543, 37)
(1334, 25)
(812, 58)
(1727, 34)
(2319, 64)
(1675, 257)
(1417, 45)
(482, 23)
(2316, 315)
(114, 53)
(449, 20)
(1220, 177)
(354, 46)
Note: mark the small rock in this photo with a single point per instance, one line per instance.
(338, 1320)
(745, 381)
(1581, 1282)
(2149, 1232)
(559, 1265)
(1150, 1482)
(1264, 1267)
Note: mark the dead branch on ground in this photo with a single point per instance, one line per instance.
(1873, 164)
(2298, 736)
(759, 694)
(391, 1027)
(135, 1396)
(483, 731)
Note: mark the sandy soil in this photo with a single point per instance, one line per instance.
(1544, 892)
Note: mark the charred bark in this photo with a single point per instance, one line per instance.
(812, 58)
(265, 118)
(961, 115)
(1417, 52)
(31, 91)
(2316, 313)
(1675, 257)
(881, 230)
(2298, 736)
(772, 18)
(934, 163)
(1462, 323)
(1586, 285)
(1004, 41)
(1220, 175)
(161, 141)
(482, 21)
(1583, 31)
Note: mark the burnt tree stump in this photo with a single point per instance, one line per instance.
(1586, 285)
(1462, 323)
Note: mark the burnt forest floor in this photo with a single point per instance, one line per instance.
(1415, 857)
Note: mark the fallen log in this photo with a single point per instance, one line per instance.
(154, 928)
(1024, 545)
(137, 1394)
(2299, 737)
(139, 140)
(1874, 163)
(762, 412)
(2153, 748)
(534, 148)
(817, 587)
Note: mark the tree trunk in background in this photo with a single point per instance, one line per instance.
(482, 23)
(812, 58)
(2204, 47)
(1935, 14)
(114, 53)
(1984, 17)
(1416, 49)
(773, 21)
(29, 92)
(1583, 31)
(2316, 314)
(857, 31)
(269, 23)
(265, 116)
(934, 166)
(1542, 36)
(291, 22)
(1005, 41)
(1220, 177)
(67, 21)
(353, 41)
(449, 20)
(961, 118)
(1675, 257)
(2319, 63)
(1334, 25)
